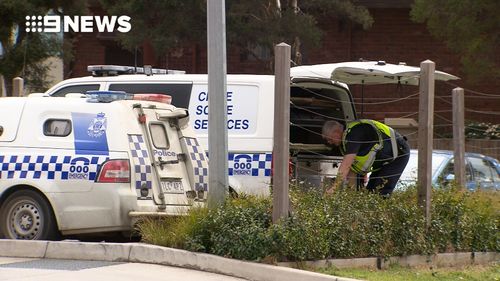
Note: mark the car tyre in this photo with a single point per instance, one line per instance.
(27, 215)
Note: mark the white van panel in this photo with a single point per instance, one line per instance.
(13, 108)
(250, 107)
(242, 109)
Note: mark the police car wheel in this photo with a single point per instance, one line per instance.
(27, 215)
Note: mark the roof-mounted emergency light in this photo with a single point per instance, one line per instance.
(107, 96)
(153, 97)
(113, 70)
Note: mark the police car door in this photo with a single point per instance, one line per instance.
(170, 178)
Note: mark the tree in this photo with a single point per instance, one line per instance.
(251, 25)
(471, 28)
(23, 53)
(167, 25)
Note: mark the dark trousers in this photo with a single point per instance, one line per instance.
(384, 180)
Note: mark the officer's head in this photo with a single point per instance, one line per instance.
(332, 132)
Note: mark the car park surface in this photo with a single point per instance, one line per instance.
(17, 269)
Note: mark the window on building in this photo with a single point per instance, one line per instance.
(256, 53)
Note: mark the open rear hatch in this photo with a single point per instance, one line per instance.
(313, 102)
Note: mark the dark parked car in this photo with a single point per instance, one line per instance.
(480, 170)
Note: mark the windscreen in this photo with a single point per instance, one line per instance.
(410, 173)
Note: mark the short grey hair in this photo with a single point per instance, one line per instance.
(331, 126)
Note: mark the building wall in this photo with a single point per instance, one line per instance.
(393, 38)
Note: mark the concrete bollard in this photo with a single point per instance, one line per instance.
(17, 87)
(3, 92)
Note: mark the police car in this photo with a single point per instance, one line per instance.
(93, 162)
(250, 114)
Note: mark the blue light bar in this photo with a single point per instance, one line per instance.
(107, 96)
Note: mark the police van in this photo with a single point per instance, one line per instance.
(94, 162)
(250, 114)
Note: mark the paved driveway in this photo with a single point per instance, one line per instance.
(24, 269)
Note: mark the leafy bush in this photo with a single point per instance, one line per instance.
(482, 130)
(346, 224)
(407, 231)
(171, 231)
(238, 229)
(303, 235)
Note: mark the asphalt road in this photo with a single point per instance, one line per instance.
(25, 269)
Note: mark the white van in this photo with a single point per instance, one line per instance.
(250, 109)
(84, 165)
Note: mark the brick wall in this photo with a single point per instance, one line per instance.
(393, 38)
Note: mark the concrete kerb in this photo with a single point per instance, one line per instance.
(143, 253)
(28, 249)
(437, 260)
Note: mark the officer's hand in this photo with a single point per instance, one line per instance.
(336, 185)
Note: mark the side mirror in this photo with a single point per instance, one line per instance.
(450, 177)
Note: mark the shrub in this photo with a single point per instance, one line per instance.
(303, 235)
(407, 233)
(482, 130)
(346, 224)
(171, 231)
(238, 229)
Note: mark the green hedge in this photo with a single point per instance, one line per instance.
(344, 225)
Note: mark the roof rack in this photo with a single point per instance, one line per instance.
(114, 70)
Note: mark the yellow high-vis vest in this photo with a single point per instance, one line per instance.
(363, 164)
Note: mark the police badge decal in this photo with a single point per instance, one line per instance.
(97, 126)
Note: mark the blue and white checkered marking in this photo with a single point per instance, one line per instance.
(50, 167)
(199, 162)
(255, 165)
(141, 163)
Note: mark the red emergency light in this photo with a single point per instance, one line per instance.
(153, 97)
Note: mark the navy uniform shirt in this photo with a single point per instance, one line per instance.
(362, 137)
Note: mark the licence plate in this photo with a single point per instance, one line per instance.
(172, 187)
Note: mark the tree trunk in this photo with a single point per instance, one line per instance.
(297, 55)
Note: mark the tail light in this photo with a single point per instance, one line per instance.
(114, 171)
(290, 167)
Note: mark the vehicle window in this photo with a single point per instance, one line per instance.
(57, 128)
(468, 174)
(411, 170)
(450, 170)
(494, 171)
(180, 93)
(75, 89)
(481, 169)
(159, 135)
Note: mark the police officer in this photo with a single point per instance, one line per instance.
(368, 146)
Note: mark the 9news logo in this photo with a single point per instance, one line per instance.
(56, 24)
